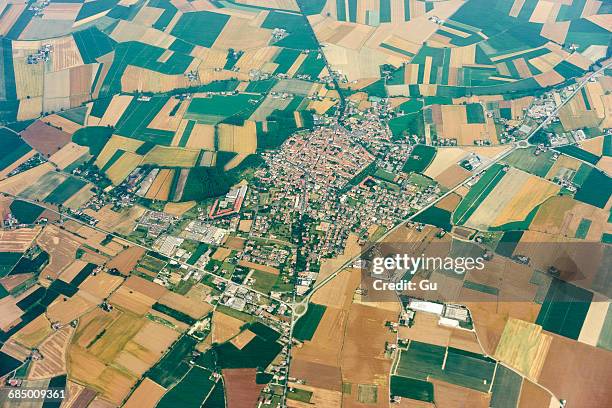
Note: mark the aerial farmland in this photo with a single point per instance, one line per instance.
(206, 203)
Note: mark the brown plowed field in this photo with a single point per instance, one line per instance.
(577, 373)
(240, 387)
(44, 138)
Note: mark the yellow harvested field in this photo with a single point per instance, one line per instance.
(453, 117)
(131, 300)
(172, 156)
(221, 254)
(65, 311)
(523, 346)
(243, 339)
(594, 321)
(68, 155)
(57, 121)
(147, 16)
(65, 53)
(115, 143)
(34, 332)
(239, 34)
(115, 110)
(164, 121)
(28, 77)
(146, 395)
(178, 209)
(555, 30)
(239, 139)
(290, 5)
(110, 351)
(30, 108)
(549, 78)
(137, 79)
(193, 308)
(594, 145)
(17, 240)
(123, 167)
(202, 137)
(541, 12)
(259, 267)
(296, 64)
(512, 199)
(160, 189)
(210, 58)
(445, 158)
(224, 327)
(100, 286)
(16, 184)
(426, 329)
(258, 59)
(122, 222)
(10, 12)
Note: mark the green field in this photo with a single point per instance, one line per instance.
(462, 368)
(312, 65)
(258, 353)
(176, 314)
(307, 325)
(300, 35)
(480, 287)
(412, 388)
(596, 189)
(205, 182)
(435, 216)
(575, 151)
(564, 309)
(298, 394)
(191, 391)
(95, 7)
(7, 261)
(12, 148)
(285, 60)
(77, 115)
(475, 113)
(93, 43)
(216, 398)
(583, 228)
(94, 137)
(607, 145)
(419, 159)
(605, 336)
(264, 281)
(216, 108)
(141, 55)
(166, 17)
(200, 28)
(407, 125)
(478, 193)
(508, 242)
(65, 190)
(506, 388)
(137, 117)
(25, 212)
(526, 160)
(174, 364)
